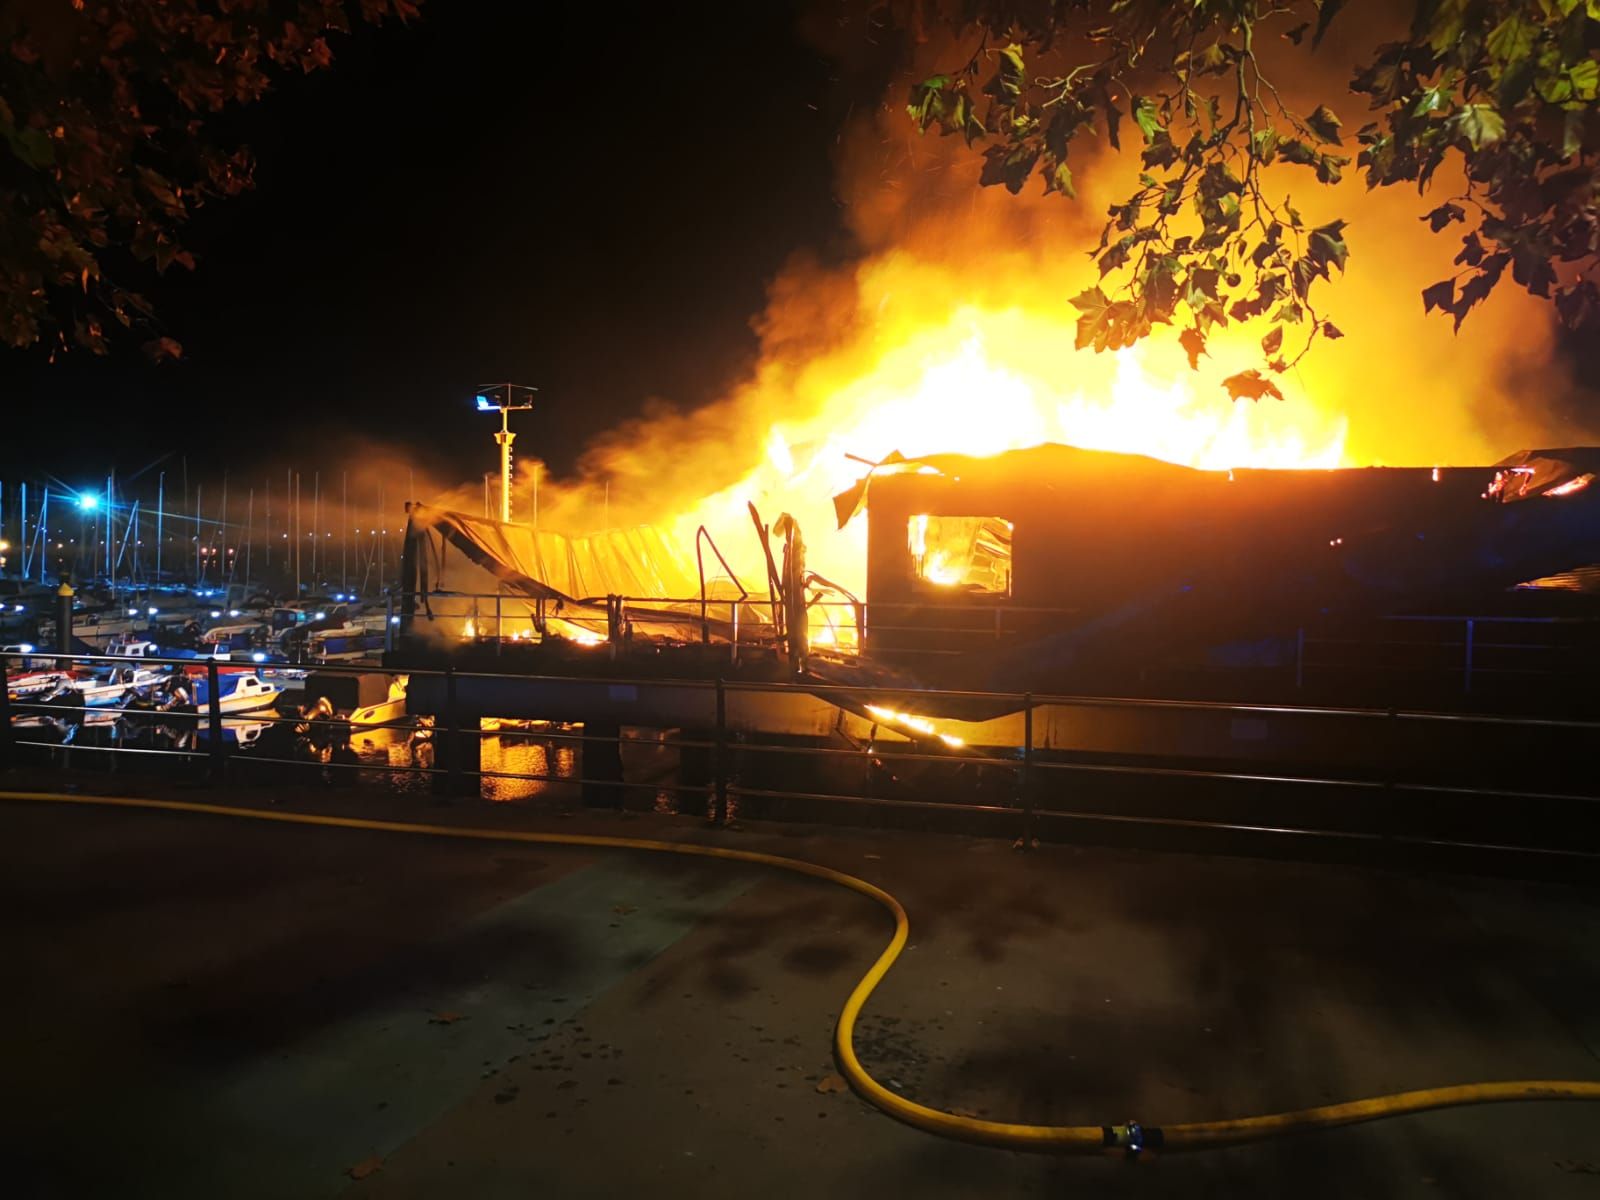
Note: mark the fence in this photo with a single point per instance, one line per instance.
(1406, 788)
(1458, 652)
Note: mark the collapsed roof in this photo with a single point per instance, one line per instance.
(638, 561)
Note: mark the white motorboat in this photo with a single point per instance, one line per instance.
(106, 688)
(386, 711)
(239, 691)
(362, 700)
(31, 684)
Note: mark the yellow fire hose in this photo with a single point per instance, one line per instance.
(1131, 1137)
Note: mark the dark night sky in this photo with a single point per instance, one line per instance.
(498, 191)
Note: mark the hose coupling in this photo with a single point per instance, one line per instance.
(1131, 1138)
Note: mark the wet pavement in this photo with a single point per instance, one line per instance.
(203, 1007)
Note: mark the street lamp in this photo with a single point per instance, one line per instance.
(505, 398)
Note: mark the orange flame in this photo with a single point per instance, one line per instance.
(953, 332)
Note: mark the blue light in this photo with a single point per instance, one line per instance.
(215, 613)
(320, 616)
(133, 612)
(88, 501)
(485, 404)
(233, 612)
(258, 657)
(26, 647)
(151, 611)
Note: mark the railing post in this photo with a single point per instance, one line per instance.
(5, 715)
(1299, 657)
(719, 758)
(452, 742)
(388, 622)
(214, 721)
(1466, 681)
(733, 624)
(499, 632)
(1027, 841)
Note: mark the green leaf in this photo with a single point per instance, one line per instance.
(1471, 251)
(1160, 152)
(1445, 24)
(1251, 385)
(1441, 295)
(1329, 167)
(1194, 345)
(928, 101)
(1431, 100)
(1324, 124)
(1479, 286)
(1116, 256)
(1511, 41)
(1573, 126)
(1011, 77)
(1090, 300)
(32, 146)
(1213, 60)
(1113, 119)
(1202, 286)
(1480, 124)
(1010, 165)
(963, 118)
(1105, 324)
(1443, 215)
(1326, 11)
(1295, 151)
(1585, 79)
(1147, 117)
(1060, 180)
(1326, 246)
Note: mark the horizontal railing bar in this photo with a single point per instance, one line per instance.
(76, 746)
(886, 801)
(823, 690)
(1295, 831)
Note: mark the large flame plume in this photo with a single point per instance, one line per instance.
(952, 331)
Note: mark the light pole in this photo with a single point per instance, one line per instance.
(88, 523)
(505, 398)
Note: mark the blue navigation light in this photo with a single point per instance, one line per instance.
(88, 501)
(258, 657)
(26, 647)
(485, 404)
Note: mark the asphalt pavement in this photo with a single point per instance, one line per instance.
(206, 1007)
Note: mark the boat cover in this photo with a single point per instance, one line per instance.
(638, 561)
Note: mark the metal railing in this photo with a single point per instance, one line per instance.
(1461, 654)
(722, 763)
(937, 629)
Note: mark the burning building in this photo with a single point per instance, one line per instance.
(1057, 567)
(1051, 568)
